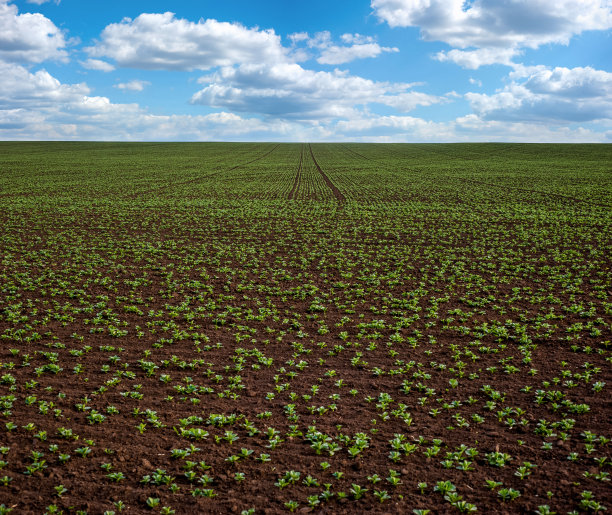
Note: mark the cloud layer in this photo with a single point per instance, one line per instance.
(258, 88)
(38, 106)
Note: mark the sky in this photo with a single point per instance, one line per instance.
(316, 70)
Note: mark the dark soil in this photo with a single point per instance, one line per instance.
(228, 309)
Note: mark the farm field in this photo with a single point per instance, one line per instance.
(326, 328)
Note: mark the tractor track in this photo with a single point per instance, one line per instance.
(337, 193)
(197, 179)
(356, 153)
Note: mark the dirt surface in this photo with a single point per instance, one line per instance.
(216, 359)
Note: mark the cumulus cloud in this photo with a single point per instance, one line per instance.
(133, 85)
(21, 89)
(164, 42)
(97, 64)
(356, 46)
(540, 94)
(289, 91)
(363, 49)
(29, 37)
(493, 30)
(473, 59)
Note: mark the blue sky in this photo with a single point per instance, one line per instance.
(281, 70)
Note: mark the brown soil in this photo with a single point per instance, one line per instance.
(206, 299)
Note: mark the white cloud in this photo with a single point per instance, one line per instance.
(298, 37)
(544, 95)
(163, 42)
(356, 39)
(474, 128)
(343, 54)
(408, 129)
(476, 82)
(133, 85)
(503, 28)
(38, 106)
(35, 105)
(289, 91)
(97, 64)
(29, 37)
(520, 71)
(576, 83)
(409, 100)
(396, 128)
(321, 39)
(356, 46)
(21, 89)
(474, 59)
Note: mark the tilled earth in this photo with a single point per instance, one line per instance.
(306, 355)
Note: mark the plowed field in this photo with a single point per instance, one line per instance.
(326, 328)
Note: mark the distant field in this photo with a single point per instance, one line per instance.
(224, 327)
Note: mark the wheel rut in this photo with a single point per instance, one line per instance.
(207, 176)
(356, 153)
(337, 193)
(243, 164)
